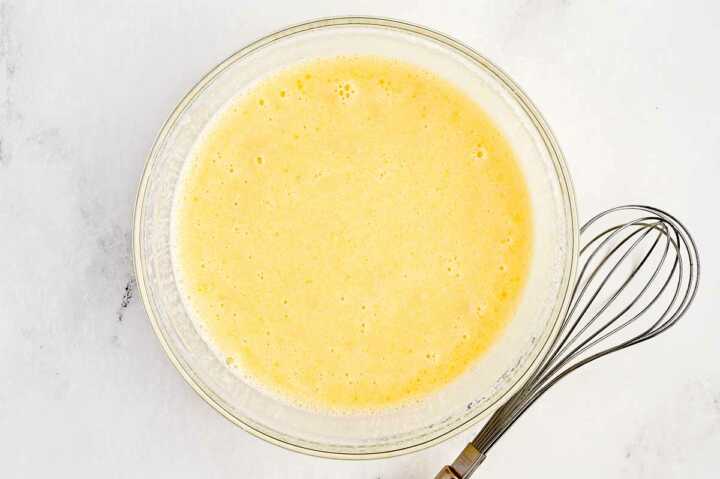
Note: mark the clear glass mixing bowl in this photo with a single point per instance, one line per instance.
(495, 376)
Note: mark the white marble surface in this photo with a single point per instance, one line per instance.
(630, 88)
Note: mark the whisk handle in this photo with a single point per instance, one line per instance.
(465, 464)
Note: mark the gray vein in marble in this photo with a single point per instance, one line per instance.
(8, 59)
(126, 298)
(675, 431)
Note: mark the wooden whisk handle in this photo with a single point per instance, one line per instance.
(464, 465)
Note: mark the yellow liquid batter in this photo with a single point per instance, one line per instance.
(352, 233)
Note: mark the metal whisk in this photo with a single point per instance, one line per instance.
(638, 274)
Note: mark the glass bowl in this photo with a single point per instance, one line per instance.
(495, 375)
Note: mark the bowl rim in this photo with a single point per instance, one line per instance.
(539, 123)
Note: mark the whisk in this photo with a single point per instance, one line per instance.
(638, 274)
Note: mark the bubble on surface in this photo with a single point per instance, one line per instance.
(480, 153)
